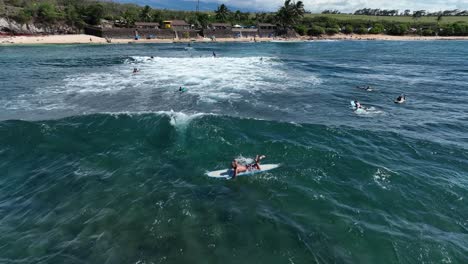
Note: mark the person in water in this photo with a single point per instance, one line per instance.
(135, 70)
(400, 99)
(239, 168)
(214, 54)
(357, 104)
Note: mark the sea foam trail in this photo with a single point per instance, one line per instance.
(207, 80)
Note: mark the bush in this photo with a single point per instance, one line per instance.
(377, 29)
(23, 17)
(361, 30)
(348, 29)
(301, 30)
(47, 13)
(332, 31)
(427, 32)
(398, 29)
(316, 31)
(460, 29)
(94, 14)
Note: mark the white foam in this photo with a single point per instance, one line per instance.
(382, 177)
(177, 119)
(207, 80)
(217, 79)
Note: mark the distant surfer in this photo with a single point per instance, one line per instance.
(239, 168)
(136, 70)
(214, 54)
(182, 89)
(400, 99)
(357, 104)
(366, 88)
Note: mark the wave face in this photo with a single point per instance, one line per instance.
(103, 166)
(132, 186)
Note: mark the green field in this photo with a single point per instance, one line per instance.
(445, 20)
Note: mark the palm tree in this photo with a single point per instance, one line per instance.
(290, 14)
(418, 14)
(222, 13)
(439, 18)
(237, 16)
(145, 14)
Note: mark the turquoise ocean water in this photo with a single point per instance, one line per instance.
(99, 165)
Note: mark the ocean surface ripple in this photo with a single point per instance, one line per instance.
(100, 165)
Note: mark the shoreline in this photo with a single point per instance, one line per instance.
(88, 39)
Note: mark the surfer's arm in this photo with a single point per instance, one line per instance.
(234, 174)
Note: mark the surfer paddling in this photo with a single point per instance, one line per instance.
(239, 168)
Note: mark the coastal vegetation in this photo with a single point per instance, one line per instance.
(292, 15)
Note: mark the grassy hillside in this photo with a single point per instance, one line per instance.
(401, 19)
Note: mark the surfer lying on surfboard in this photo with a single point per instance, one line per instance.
(239, 168)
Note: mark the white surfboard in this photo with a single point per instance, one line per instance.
(227, 174)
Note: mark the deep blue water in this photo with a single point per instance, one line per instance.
(99, 165)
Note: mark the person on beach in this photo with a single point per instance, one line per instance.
(239, 168)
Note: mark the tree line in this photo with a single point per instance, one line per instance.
(318, 26)
(407, 12)
(291, 15)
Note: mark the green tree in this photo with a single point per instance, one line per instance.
(94, 13)
(301, 30)
(47, 13)
(348, 29)
(332, 31)
(439, 18)
(73, 17)
(397, 29)
(237, 16)
(203, 20)
(377, 29)
(145, 14)
(130, 16)
(222, 13)
(316, 31)
(23, 16)
(418, 14)
(361, 30)
(290, 14)
(427, 32)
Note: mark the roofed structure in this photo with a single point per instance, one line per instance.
(146, 25)
(176, 24)
(220, 26)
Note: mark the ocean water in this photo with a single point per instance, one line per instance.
(99, 165)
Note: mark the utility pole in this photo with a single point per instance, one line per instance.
(198, 6)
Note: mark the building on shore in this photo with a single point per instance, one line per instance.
(176, 25)
(179, 29)
(266, 30)
(245, 32)
(220, 26)
(171, 29)
(146, 25)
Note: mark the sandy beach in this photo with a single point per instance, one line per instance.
(388, 37)
(87, 39)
